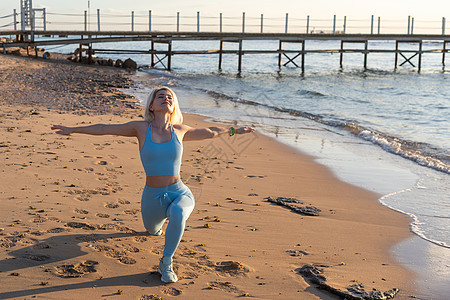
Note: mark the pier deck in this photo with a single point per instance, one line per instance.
(36, 39)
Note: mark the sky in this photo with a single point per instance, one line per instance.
(422, 11)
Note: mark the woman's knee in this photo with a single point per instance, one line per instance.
(176, 213)
(180, 213)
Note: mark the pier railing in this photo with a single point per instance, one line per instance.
(355, 35)
(98, 21)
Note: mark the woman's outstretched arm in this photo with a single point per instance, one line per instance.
(211, 132)
(127, 129)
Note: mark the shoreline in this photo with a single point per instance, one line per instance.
(351, 213)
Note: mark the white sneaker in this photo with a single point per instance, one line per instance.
(158, 233)
(166, 270)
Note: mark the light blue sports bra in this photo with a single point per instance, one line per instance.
(161, 159)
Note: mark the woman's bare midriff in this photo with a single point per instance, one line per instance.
(161, 181)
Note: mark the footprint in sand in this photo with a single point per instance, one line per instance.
(36, 257)
(121, 201)
(232, 268)
(41, 246)
(39, 219)
(224, 286)
(56, 230)
(140, 239)
(150, 297)
(299, 253)
(112, 205)
(78, 270)
(113, 253)
(172, 291)
(81, 211)
(82, 198)
(132, 211)
(8, 242)
(101, 215)
(80, 225)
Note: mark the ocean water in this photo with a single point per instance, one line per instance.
(384, 130)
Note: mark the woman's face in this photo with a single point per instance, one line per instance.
(163, 102)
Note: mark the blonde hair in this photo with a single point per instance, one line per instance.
(175, 118)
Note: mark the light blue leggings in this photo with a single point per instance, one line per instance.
(175, 202)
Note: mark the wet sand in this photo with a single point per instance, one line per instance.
(70, 219)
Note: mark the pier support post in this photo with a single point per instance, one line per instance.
(366, 46)
(444, 50)
(420, 56)
(239, 52)
(240, 56)
(167, 54)
(297, 54)
(80, 54)
(303, 57)
(365, 52)
(396, 56)
(152, 49)
(280, 48)
(90, 52)
(220, 54)
(419, 53)
(178, 21)
(220, 25)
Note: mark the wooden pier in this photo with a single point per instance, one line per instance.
(163, 58)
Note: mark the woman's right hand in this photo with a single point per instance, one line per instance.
(62, 129)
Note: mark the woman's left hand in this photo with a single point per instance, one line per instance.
(242, 130)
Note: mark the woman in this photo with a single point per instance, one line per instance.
(159, 136)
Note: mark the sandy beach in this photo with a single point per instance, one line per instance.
(70, 224)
